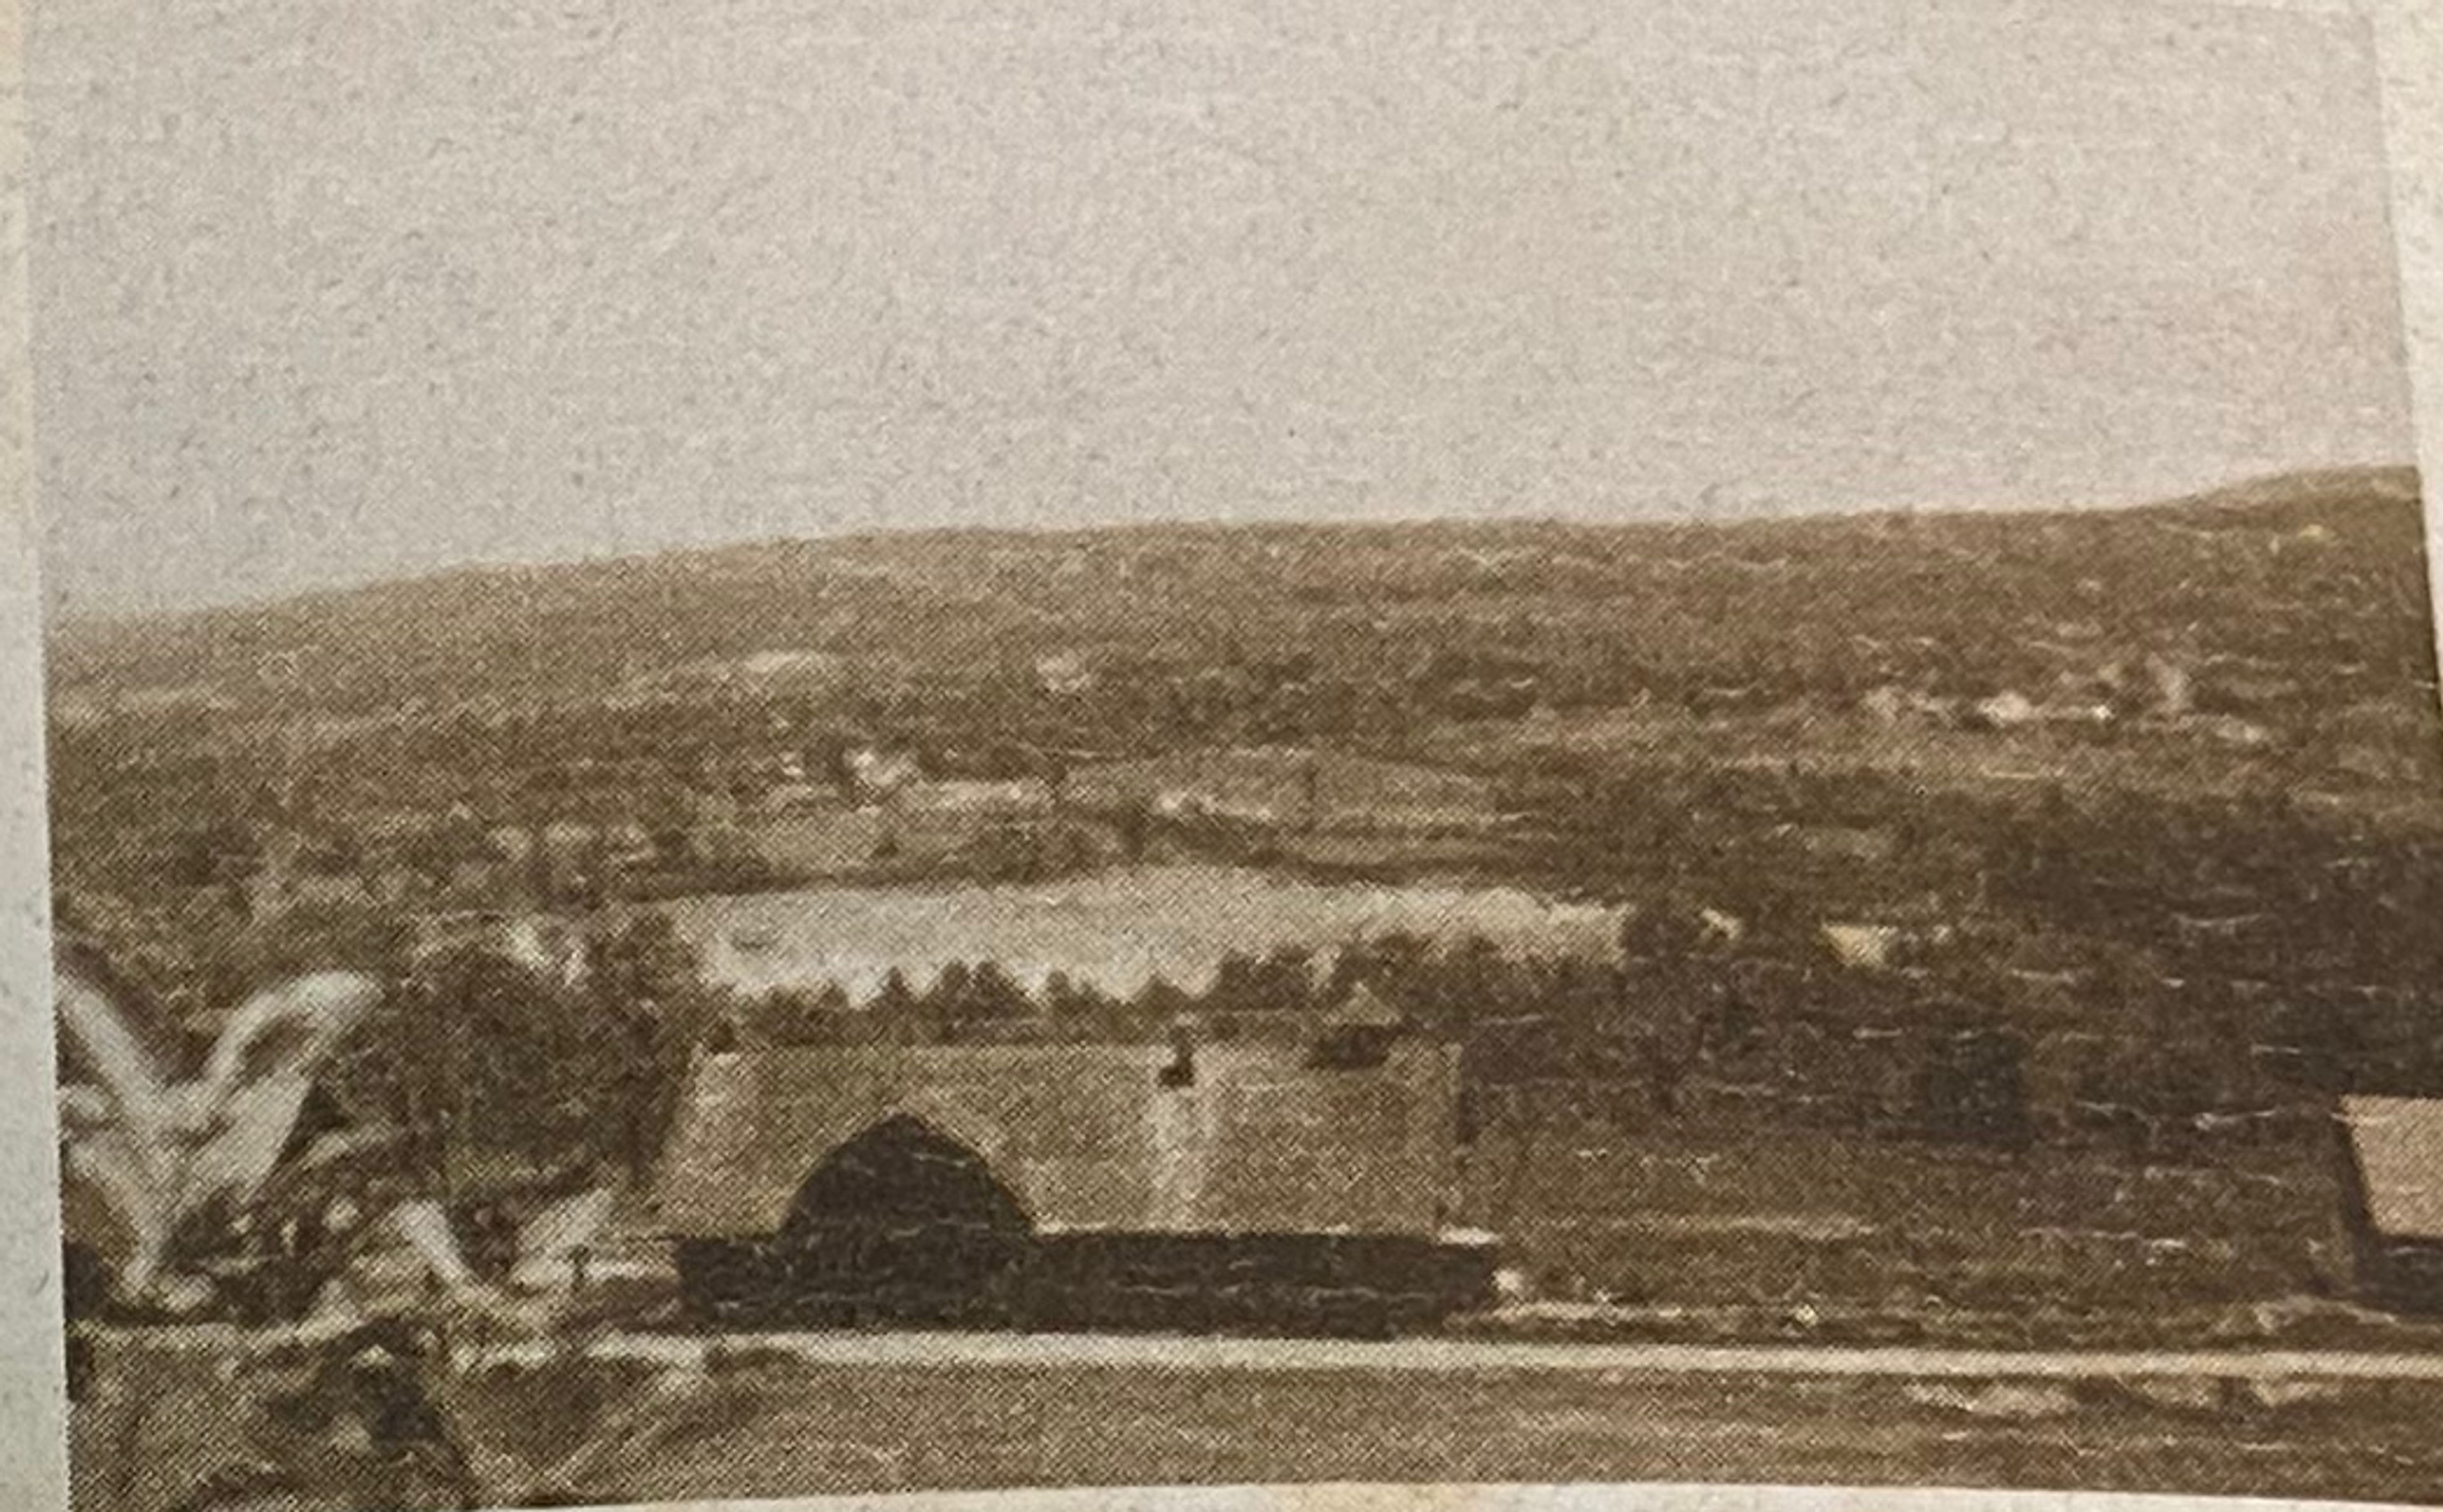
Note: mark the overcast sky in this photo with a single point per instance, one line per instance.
(340, 289)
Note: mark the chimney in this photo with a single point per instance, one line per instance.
(1180, 1072)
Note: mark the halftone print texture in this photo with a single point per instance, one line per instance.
(905, 746)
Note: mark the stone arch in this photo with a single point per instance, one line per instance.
(949, 1116)
(904, 1222)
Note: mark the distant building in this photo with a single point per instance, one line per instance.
(1029, 795)
(2089, 713)
(549, 946)
(1893, 705)
(1864, 947)
(791, 797)
(1063, 674)
(2174, 690)
(628, 847)
(2232, 730)
(1181, 1184)
(1359, 1033)
(1719, 928)
(875, 774)
(1182, 803)
(2393, 1199)
(2007, 710)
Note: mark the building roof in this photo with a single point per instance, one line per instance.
(1087, 1138)
(1363, 1009)
(2396, 1149)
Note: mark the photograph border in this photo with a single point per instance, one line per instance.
(2409, 41)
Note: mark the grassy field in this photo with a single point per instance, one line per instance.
(1892, 1239)
(901, 1430)
(2174, 761)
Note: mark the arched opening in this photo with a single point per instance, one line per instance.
(903, 1224)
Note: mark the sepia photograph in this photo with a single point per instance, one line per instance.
(837, 747)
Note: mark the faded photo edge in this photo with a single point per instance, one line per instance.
(34, 1403)
(33, 1472)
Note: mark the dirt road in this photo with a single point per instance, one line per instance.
(799, 1414)
(872, 1412)
(1442, 1357)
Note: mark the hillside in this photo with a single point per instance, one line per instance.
(2062, 865)
(2308, 588)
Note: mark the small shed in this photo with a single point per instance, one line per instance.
(2393, 1183)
